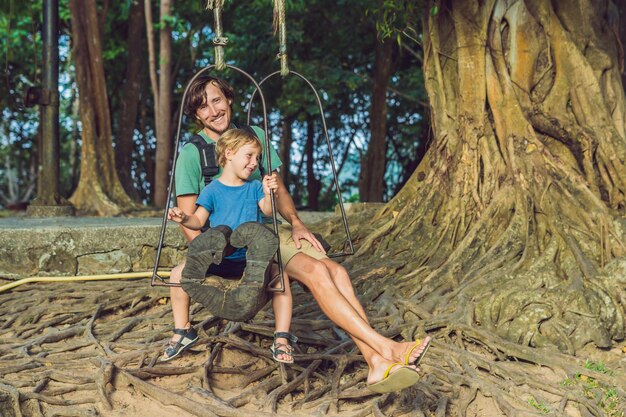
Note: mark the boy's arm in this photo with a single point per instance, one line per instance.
(187, 203)
(265, 204)
(268, 183)
(193, 221)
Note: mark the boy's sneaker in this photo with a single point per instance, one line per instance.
(208, 248)
(262, 245)
(238, 299)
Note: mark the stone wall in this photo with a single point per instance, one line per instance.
(84, 246)
(64, 246)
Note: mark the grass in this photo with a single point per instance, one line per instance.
(598, 367)
(542, 408)
(604, 395)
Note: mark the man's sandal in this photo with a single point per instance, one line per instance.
(277, 348)
(416, 361)
(187, 338)
(395, 381)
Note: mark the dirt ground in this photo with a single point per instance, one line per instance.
(90, 349)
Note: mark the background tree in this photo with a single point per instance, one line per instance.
(373, 167)
(99, 189)
(19, 137)
(130, 96)
(162, 91)
(339, 66)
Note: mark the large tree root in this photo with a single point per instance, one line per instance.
(55, 363)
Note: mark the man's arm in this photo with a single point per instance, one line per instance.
(187, 203)
(287, 209)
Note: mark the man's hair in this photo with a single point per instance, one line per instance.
(233, 140)
(197, 93)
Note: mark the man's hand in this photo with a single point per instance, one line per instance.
(288, 210)
(176, 215)
(299, 231)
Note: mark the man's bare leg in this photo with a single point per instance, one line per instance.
(342, 280)
(330, 285)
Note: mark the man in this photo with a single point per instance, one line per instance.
(392, 365)
(209, 102)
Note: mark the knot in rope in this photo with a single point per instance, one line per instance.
(220, 40)
(212, 4)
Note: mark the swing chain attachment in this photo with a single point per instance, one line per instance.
(280, 24)
(219, 41)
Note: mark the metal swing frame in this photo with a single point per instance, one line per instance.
(157, 280)
(348, 247)
(219, 42)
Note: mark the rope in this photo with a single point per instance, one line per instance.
(219, 41)
(281, 25)
(126, 275)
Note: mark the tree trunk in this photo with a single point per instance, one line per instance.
(99, 189)
(373, 165)
(131, 93)
(164, 114)
(512, 214)
(285, 150)
(514, 207)
(510, 232)
(313, 185)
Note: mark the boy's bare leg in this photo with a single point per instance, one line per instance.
(180, 301)
(282, 304)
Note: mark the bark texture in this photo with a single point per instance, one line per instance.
(164, 111)
(99, 189)
(374, 164)
(131, 94)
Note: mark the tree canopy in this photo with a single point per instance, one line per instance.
(338, 62)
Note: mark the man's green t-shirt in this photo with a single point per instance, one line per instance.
(188, 176)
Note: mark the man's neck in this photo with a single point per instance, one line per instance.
(211, 134)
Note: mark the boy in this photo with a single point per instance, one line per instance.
(232, 200)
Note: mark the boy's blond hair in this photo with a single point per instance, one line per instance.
(233, 140)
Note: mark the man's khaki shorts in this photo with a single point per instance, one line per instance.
(288, 247)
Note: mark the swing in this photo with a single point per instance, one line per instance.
(237, 299)
(348, 248)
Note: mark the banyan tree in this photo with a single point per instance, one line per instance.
(510, 232)
(506, 246)
(512, 220)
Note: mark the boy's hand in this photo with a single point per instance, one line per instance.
(176, 215)
(270, 182)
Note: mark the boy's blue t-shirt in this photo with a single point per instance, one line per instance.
(231, 206)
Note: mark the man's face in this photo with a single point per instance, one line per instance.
(215, 113)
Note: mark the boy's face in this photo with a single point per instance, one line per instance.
(244, 161)
(215, 114)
